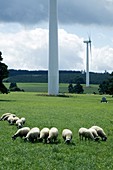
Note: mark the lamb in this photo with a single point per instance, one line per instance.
(53, 134)
(44, 133)
(33, 134)
(21, 133)
(85, 133)
(67, 135)
(100, 132)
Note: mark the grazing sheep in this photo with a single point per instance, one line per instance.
(23, 120)
(100, 132)
(21, 133)
(19, 123)
(6, 115)
(94, 132)
(12, 119)
(53, 134)
(44, 133)
(33, 134)
(85, 133)
(67, 135)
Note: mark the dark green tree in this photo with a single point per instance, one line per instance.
(107, 86)
(78, 88)
(103, 87)
(3, 74)
(70, 88)
(14, 87)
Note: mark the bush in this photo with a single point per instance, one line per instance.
(14, 87)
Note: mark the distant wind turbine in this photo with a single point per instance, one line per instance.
(88, 44)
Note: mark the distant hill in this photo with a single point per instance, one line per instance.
(65, 76)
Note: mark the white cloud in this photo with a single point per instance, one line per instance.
(28, 49)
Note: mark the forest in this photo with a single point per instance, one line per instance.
(41, 76)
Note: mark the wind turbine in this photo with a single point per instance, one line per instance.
(88, 44)
(53, 71)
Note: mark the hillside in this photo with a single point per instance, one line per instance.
(64, 76)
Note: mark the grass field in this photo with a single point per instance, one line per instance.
(43, 87)
(63, 112)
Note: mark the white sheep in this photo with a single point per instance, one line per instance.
(53, 134)
(94, 132)
(85, 133)
(44, 133)
(12, 119)
(67, 135)
(19, 123)
(100, 132)
(23, 120)
(33, 134)
(6, 115)
(21, 133)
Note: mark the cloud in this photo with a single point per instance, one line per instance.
(98, 12)
(28, 49)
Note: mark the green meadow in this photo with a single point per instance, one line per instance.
(72, 111)
(43, 87)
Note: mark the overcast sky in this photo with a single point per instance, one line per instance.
(24, 34)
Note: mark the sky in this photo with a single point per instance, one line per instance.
(24, 30)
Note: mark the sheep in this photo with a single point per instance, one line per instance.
(53, 134)
(67, 135)
(85, 133)
(12, 119)
(94, 132)
(23, 120)
(21, 133)
(100, 132)
(33, 134)
(6, 115)
(44, 133)
(19, 123)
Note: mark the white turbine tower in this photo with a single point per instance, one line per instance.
(53, 71)
(88, 43)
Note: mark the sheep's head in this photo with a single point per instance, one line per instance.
(67, 141)
(104, 138)
(13, 137)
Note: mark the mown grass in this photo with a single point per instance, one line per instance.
(43, 87)
(47, 111)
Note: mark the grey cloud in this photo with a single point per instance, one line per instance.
(23, 11)
(69, 11)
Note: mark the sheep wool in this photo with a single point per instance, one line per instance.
(44, 133)
(23, 120)
(85, 133)
(100, 132)
(19, 123)
(94, 132)
(53, 134)
(6, 115)
(67, 135)
(21, 133)
(3, 115)
(12, 119)
(33, 134)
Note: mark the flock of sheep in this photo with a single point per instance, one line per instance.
(47, 135)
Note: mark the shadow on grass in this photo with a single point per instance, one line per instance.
(7, 100)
